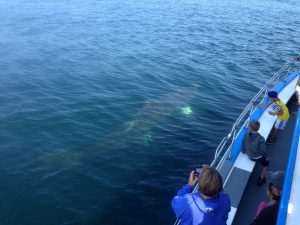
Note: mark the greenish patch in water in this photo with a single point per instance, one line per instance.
(186, 110)
(147, 139)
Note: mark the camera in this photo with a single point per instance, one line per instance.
(197, 172)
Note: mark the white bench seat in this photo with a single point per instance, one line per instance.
(236, 181)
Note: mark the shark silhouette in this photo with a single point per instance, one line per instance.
(154, 111)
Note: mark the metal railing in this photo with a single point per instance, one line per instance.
(224, 149)
(228, 141)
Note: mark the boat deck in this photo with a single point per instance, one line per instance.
(279, 154)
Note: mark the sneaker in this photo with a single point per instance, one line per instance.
(261, 181)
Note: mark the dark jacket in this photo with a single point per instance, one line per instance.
(267, 216)
(254, 145)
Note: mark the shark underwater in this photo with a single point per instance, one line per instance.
(136, 130)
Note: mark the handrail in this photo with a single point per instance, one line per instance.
(231, 136)
(253, 101)
(282, 214)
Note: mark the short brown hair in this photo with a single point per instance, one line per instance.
(254, 125)
(210, 182)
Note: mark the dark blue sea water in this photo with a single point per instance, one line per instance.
(91, 95)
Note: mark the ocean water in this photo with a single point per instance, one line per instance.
(91, 123)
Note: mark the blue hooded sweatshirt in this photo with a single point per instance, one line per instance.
(192, 209)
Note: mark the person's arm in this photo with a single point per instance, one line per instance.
(263, 104)
(263, 147)
(186, 189)
(179, 203)
(228, 206)
(276, 113)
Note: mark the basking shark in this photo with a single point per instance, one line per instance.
(137, 130)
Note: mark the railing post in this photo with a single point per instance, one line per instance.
(232, 142)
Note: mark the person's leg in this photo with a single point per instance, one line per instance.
(274, 134)
(264, 172)
(265, 163)
(279, 125)
(270, 135)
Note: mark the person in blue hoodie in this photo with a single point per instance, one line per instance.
(208, 206)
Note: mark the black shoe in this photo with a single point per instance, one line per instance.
(261, 181)
(270, 142)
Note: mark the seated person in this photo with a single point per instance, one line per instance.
(208, 206)
(265, 204)
(254, 146)
(268, 215)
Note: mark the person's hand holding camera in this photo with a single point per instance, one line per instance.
(192, 179)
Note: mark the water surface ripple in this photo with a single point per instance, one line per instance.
(91, 122)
